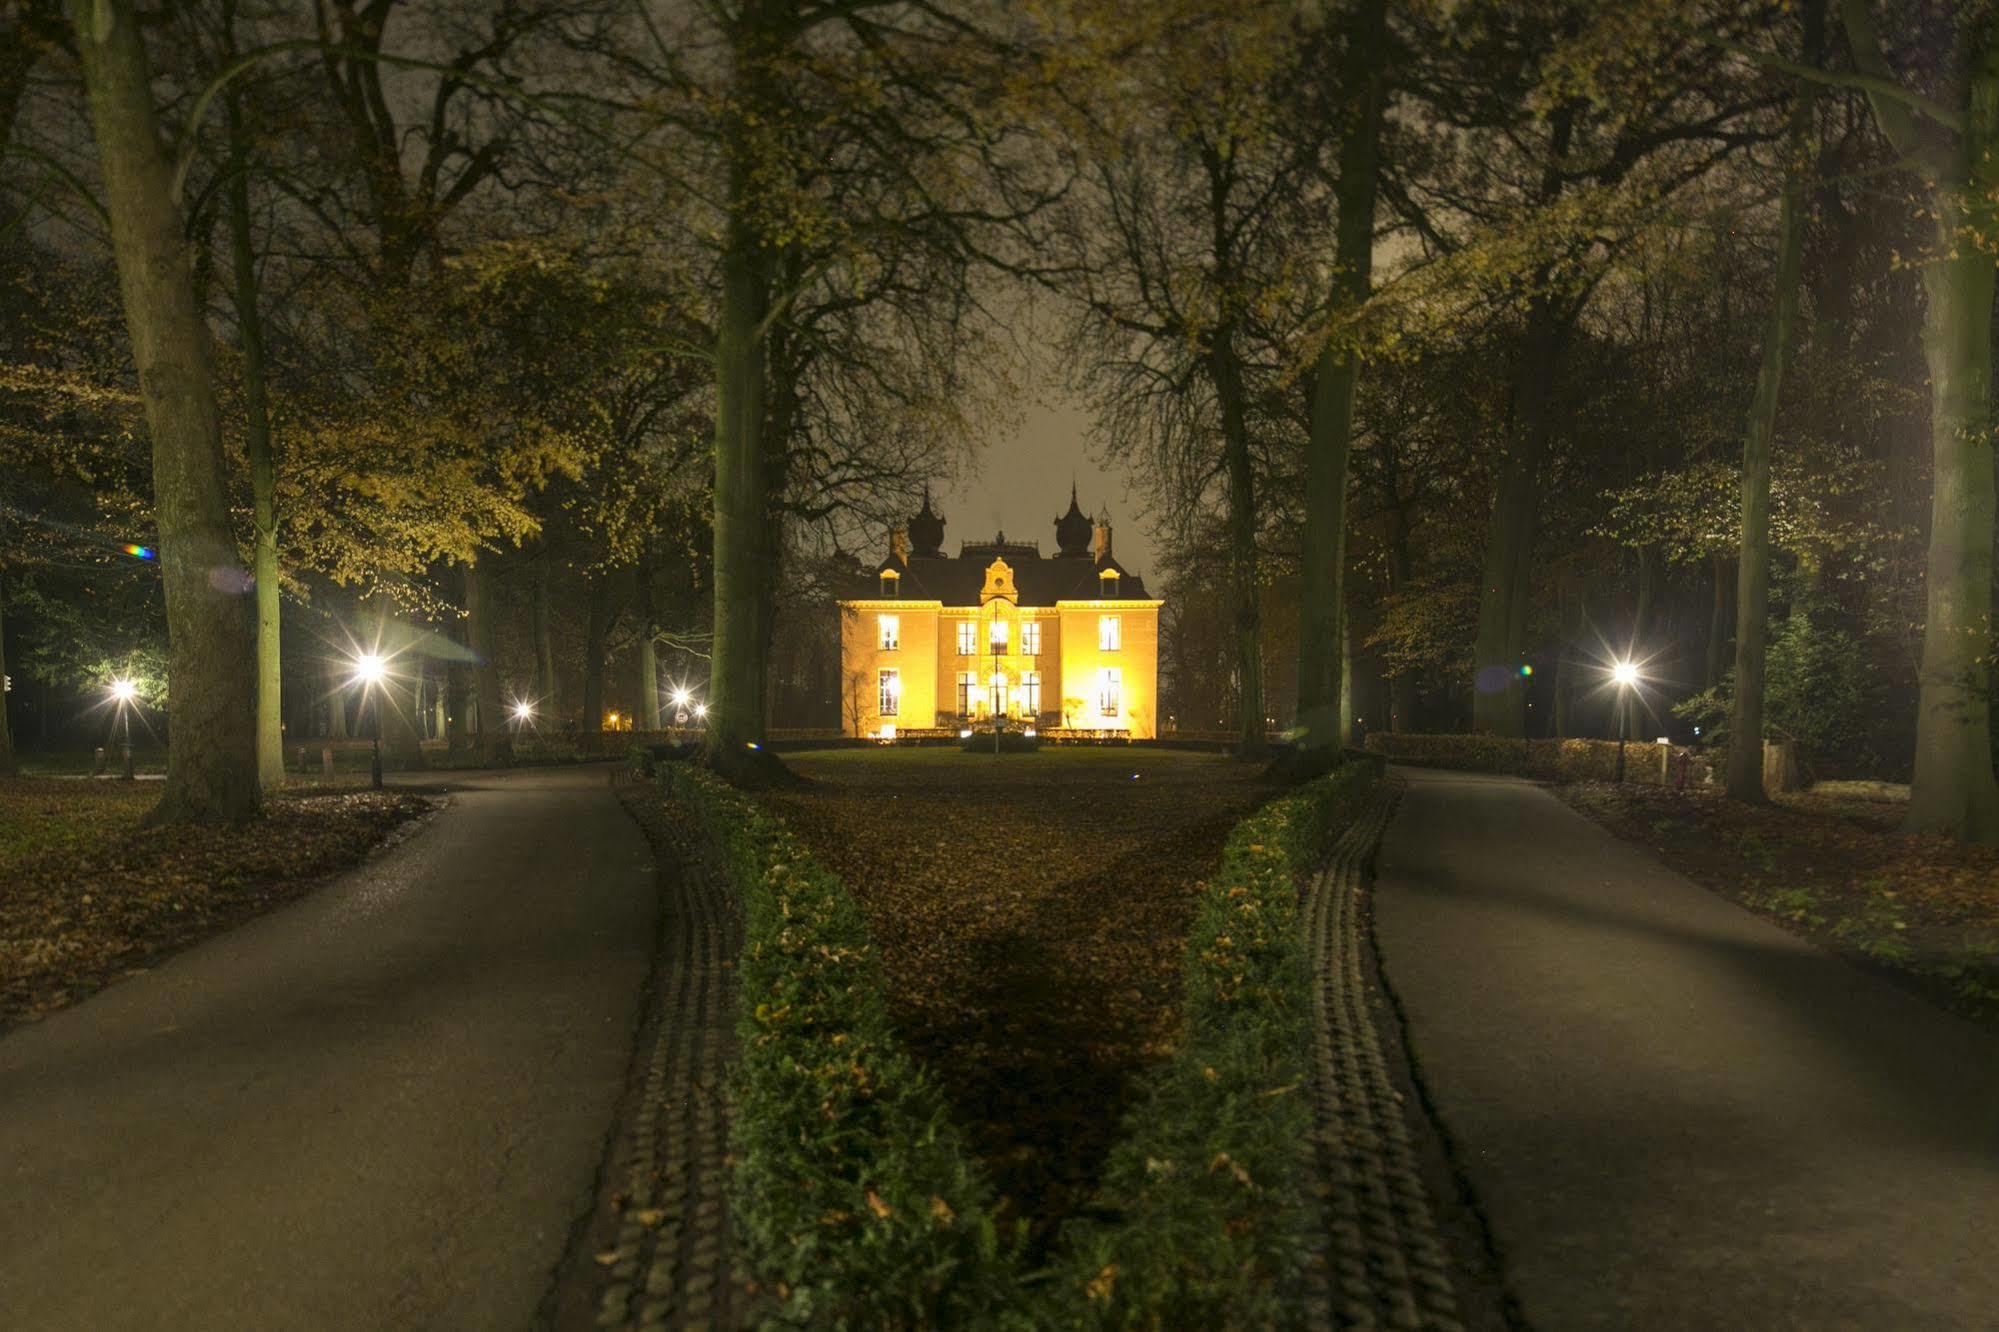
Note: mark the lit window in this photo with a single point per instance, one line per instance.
(968, 686)
(968, 638)
(998, 687)
(891, 635)
(1110, 633)
(999, 637)
(1030, 693)
(1030, 637)
(891, 693)
(1110, 691)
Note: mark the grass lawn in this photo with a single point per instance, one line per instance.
(87, 895)
(1031, 911)
(1828, 864)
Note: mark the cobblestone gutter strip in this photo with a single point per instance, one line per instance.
(674, 1262)
(1385, 1264)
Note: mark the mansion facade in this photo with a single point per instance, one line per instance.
(932, 642)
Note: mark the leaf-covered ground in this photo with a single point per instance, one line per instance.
(1030, 910)
(1829, 864)
(86, 895)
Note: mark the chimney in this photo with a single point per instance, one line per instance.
(1100, 545)
(898, 545)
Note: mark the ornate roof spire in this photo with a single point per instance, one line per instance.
(926, 529)
(1073, 529)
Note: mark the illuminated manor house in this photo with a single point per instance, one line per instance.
(937, 642)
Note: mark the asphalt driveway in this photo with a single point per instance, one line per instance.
(382, 1106)
(1674, 1114)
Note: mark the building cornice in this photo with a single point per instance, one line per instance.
(890, 603)
(1112, 603)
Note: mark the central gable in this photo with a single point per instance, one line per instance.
(999, 583)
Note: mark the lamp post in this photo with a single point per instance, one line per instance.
(369, 669)
(123, 692)
(1626, 676)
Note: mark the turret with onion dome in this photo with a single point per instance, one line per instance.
(926, 530)
(1073, 531)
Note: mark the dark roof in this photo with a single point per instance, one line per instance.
(1040, 582)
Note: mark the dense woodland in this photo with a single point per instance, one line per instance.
(567, 350)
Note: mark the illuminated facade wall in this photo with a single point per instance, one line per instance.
(1046, 666)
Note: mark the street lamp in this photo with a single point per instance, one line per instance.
(370, 670)
(1625, 675)
(123, 692)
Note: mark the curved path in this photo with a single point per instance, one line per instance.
(1672, 1113)
(383, 1106)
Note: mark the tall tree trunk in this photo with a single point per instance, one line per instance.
(1499, 700)
(1323, 711)
(1573, 630)
(212, 749)
(8, 766)
(544, 638)
(1752, 596)
(1953, 789)
(495, 743)
(1402, 698)
(596, 641)
(1648, 598)
(648, 668)
(458, 696)
(395, 722)
(337, 727)
(736, 679)
(1244, 578)
(257, 447)
(1717, 625)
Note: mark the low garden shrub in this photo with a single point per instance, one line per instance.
(1205, 1213)
(858, 1199)
(855, 1196)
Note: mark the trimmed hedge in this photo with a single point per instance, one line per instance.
(1206, 1204)
(1571, 760)
(859, 1201)
(853, 1193)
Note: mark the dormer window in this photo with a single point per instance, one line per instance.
(891, 583)
(1107, 584)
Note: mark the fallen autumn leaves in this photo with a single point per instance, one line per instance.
(86, 895)
(1031, 911)
(1831, 866)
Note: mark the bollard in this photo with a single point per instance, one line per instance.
(128, 773)
(326, 760)
(97, 769)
